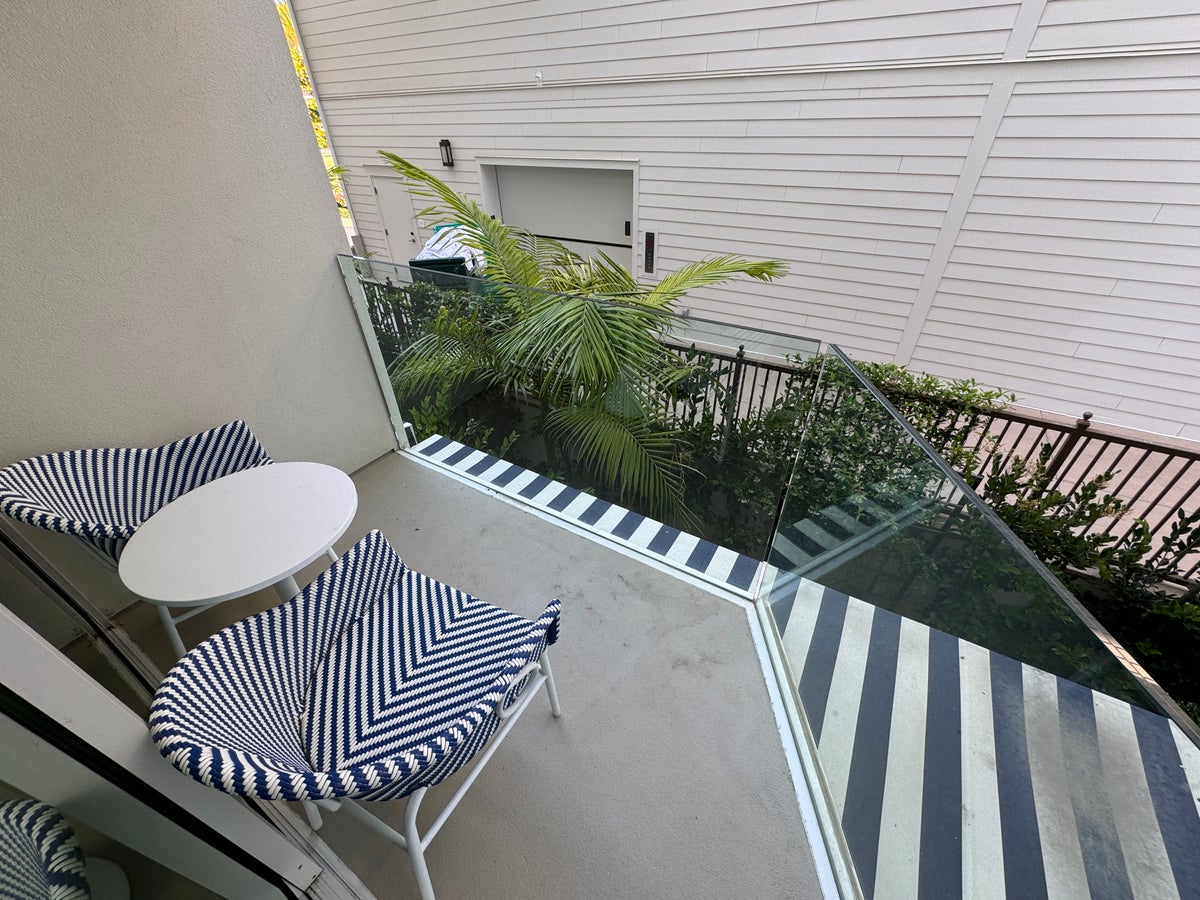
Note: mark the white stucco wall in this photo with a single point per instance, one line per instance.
(167, 244)
(168, 238)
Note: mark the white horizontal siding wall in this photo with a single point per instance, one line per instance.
(1043, 241)
(1092, 25)
(364, 46)
(1075, 279)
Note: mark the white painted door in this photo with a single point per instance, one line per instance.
(587, 209)
(403, 235)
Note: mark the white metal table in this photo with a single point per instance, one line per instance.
(236, 535)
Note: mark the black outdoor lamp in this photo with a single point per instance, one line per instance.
(447, 153)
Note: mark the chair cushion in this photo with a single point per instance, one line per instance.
(407, 672)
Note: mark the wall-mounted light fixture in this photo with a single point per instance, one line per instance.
(447, 153)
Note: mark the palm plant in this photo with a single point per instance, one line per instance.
(579, 336)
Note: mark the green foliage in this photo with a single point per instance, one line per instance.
(945, 412)
(1126, 584)
(740, 464)
(336, 173)
(404, 313)
(452, 343)
(581, 338)
(1054, 525)
(1137, 597)
(434, 414)
(306, 87)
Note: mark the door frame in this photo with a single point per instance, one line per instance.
(490, 191)
(394, 230)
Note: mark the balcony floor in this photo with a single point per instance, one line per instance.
(664, 777)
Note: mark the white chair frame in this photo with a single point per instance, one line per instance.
(411, 839)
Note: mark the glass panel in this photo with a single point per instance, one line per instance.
(48, 603)
(636, 378)
(963, 715)
(722, 337)
(872, 514)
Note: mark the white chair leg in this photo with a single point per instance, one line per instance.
(313, 814)
(416, 852)
(410, 840)
(168, 624)
(551, 690)
(286, 588)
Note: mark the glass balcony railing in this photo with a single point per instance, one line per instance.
(659, 413)
(965, 726)
(872, 512)
(723, 338)
(865, 507)
(965, 718)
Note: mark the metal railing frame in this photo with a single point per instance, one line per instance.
(751, 385)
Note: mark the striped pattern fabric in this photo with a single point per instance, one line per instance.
(718, 565)
(39, 856)
(957, 772)
(374, 681)
(101, 496)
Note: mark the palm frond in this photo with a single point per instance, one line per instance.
(638, 460)
(575, 346)
(507, 262)
(711, 270)
(599, 276)
(457, 346)
(581, 335)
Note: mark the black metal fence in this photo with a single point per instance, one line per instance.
(733, 385)
(1155, 480)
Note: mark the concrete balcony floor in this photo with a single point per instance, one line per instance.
(666, 774)
(665, 777)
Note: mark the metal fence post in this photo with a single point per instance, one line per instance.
(1061, 454)
(729, 414)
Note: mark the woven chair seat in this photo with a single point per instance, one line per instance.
(102, 495)
(39, 856)
(373, 682)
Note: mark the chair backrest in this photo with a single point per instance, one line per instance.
(39, 856)
(101, 496)
(234, 713)
(233, 703)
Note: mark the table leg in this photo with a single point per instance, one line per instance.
(332, 554)
(168, 624)
(287, 588)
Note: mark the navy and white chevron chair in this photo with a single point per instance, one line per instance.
(101, 496)
(39, 856)
(374, 683)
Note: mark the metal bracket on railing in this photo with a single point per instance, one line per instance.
(1073, 436)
